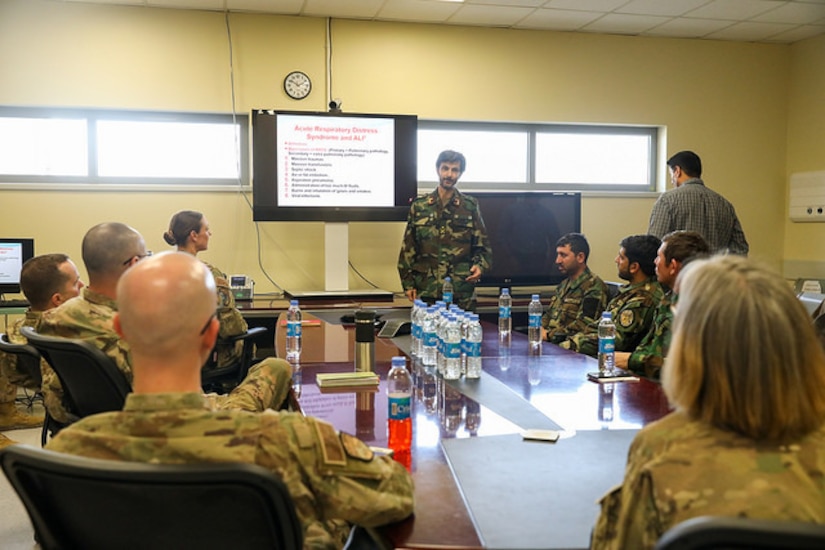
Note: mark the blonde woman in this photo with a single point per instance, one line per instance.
(746, 375)
(189, 232)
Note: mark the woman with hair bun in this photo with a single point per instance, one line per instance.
(189, 232)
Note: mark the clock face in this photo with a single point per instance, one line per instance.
(297, 85)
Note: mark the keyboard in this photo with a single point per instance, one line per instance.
(14, 303)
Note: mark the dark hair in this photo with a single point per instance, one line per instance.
(181, 225)
(41, 278)
(688, 161)
(684, 246)
(577, 242)
(451, 156)
(642, 249)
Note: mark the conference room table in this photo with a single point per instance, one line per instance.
(478, 482)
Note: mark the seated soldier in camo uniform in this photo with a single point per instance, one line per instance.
(634, 307)
(109, 250)
(335, 479)
(577, 303)
(677, 249)
(190, 232)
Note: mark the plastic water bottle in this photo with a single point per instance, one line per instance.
(293, 332)
(429, 338)
(415, 326)
(474, 337)
(452, 348)
(464, 323)
(607, 344)
(447, 291)
(534, 312)
(399, 409)
(505, 315)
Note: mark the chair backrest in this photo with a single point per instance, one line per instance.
(731, 533)
(79, 502)
(28, 358)
(91, 380)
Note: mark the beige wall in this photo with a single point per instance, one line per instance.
(728, 101)
(804, 243)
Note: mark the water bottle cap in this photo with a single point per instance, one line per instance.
(535, 296)
(447, 279)
(474, 317)
(293, 302)
(505, 291)
(399, 362)
(607, 315)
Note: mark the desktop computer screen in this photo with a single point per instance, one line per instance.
(13, 254)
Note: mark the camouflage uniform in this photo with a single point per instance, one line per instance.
(649, 355)
(86, 317)
(89, 317)
(232, 322)
(679, 468)
(10, 377)
(443, 241)
(334, 478)
(633, 309)
(575, 307)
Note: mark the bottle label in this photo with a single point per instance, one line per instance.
(534, 320)
(473, 349)
(607, 345)
(399, 407)
(416, 331)
(452, 350)
(448, 297)
(503, 312)
(430, 339)
(293, 329)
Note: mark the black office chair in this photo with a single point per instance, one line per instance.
(28, 360)
(731, 533)
(79, 502)
(224, 379)
(91, 381)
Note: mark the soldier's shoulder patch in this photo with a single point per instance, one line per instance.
(355, 448)
(627, 317)
(332, 450)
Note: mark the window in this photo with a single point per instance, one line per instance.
(122, 147)
(543, 156)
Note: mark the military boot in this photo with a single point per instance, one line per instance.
(13, 419)
(5, 441)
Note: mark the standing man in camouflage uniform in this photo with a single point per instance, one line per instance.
(109, 250)
(577, 303)
(47, 281)
(445, 237)
(676, 250)
(335, 479)
(634, 307)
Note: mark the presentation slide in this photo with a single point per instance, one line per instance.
(335, 161)
(11, 261)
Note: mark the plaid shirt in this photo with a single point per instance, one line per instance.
(694, 207)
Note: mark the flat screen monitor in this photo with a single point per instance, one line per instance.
(315, 166)
(523, 228)
(13, 254)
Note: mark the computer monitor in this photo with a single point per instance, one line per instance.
(13, 254)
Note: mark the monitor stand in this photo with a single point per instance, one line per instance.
(336, 271)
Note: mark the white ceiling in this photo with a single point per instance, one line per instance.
(781, 21)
